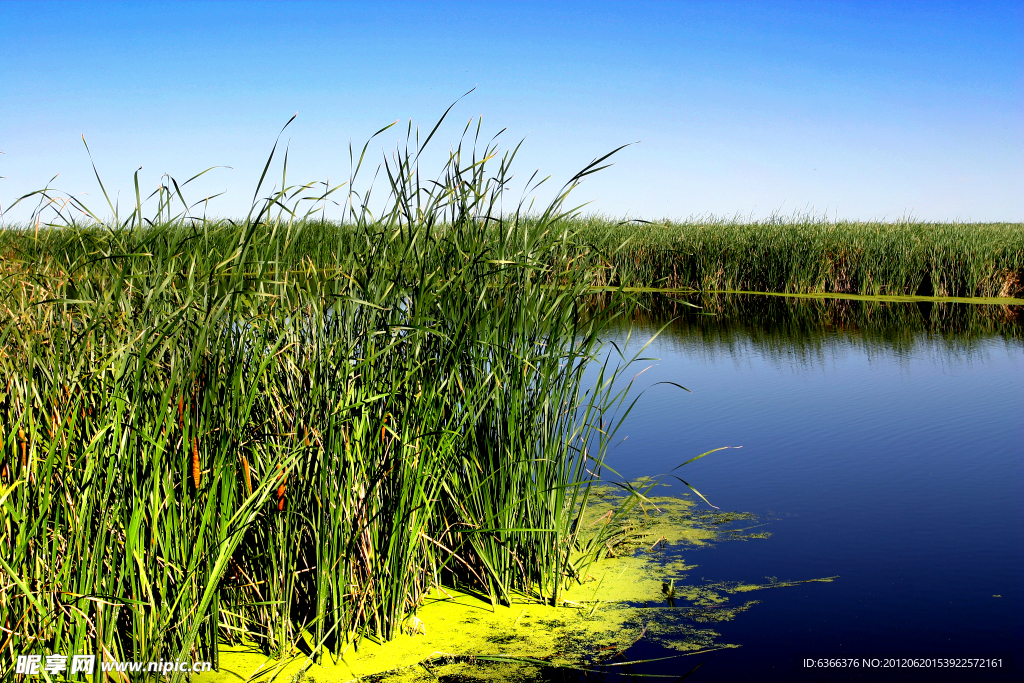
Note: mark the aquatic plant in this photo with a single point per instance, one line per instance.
(811, 254)
(282, 432)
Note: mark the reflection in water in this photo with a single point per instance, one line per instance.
(780, 325)
(885, 443)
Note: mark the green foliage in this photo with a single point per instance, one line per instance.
(807, 254)
(286, 431)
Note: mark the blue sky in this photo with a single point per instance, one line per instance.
(862, 110)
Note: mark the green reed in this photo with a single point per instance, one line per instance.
(796, 255)
(811, 254)
(279, 429)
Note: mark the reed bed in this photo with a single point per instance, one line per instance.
(795, 255)
(803, 254)
(283, 432)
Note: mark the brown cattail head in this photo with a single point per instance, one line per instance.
(280, 490)
(24, 446)
(181, 411)
(245, 472)
(197, 470)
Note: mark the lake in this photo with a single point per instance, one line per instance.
(883, 444)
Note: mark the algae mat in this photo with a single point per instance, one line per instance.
(882, 298)
(641, 593)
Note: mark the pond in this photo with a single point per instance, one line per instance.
(883, 444)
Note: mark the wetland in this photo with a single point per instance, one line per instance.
(452, 440)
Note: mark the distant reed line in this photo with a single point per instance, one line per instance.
(957, 262)
(804, 256)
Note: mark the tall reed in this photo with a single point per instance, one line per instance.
(278, 429)
(810, 254)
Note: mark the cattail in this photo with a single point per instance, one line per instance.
(24, 447)
(280, 490)
(181, 411)
(245, 472)
(197, 471)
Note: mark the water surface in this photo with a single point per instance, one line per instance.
(884, 444)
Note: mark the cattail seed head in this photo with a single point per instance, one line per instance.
(24, 447)
(197, 471)
(245, 472)
(280, 490)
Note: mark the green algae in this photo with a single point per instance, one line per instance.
(637, 591)
(885, 298)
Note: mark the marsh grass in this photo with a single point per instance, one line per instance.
(279, 432)
(802, 254)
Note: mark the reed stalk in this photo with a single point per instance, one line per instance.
(804, 253)
(277, 428)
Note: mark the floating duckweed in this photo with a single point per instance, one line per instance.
(641, 594)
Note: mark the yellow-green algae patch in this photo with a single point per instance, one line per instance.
(636, 593)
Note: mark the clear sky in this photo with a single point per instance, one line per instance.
(863, 110)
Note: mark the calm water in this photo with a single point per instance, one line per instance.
(884, 445)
